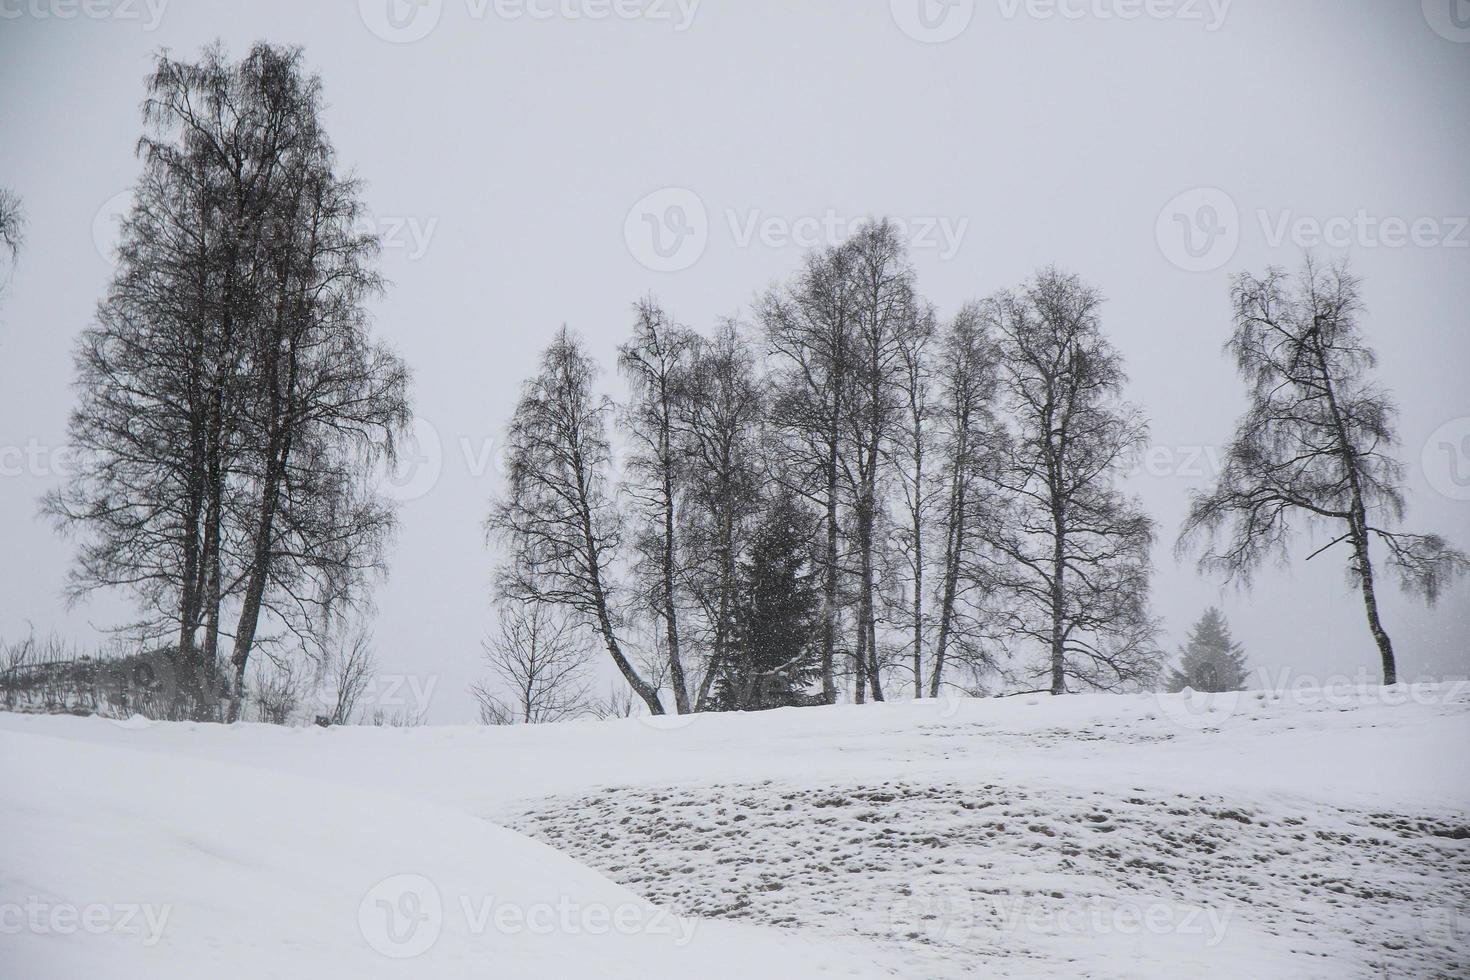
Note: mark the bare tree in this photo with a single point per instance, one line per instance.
(153, 431)
(277, 691)
(326, 399)
(542, 665)
(722, 414)
(381, 718)
(556, 517)
(344, 672)
(886, 316)
(810, 326)
(229, 397)
(12, 223)
(619, 703)
(654, 362)
(1316, 443)
(912, 462)
(1068, 551)
(967, 440)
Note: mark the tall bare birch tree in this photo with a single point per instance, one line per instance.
(655, 362)
(230, 398)
(913, 459)
(887, 314)
(810, 325)
(1067, 550)
(557, 518)
(721, 427)
(967, 445)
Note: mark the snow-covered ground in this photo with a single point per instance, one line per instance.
(1311, 834)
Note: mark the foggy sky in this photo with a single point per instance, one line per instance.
(520, 157)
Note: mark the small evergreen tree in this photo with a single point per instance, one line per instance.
(775, 654)
(1211, 661)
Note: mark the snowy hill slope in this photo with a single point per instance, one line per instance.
(120, 864)
(1315, 834)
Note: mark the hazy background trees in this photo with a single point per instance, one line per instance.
(946, 497)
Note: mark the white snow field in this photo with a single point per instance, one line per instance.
(1303, 834)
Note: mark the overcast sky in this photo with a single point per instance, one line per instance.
(539, 162)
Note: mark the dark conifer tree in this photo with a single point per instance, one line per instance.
(776, 654)
(1211, 660)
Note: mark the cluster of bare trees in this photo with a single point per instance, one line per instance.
(939, 496)
(961, 475)
(231, 400)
